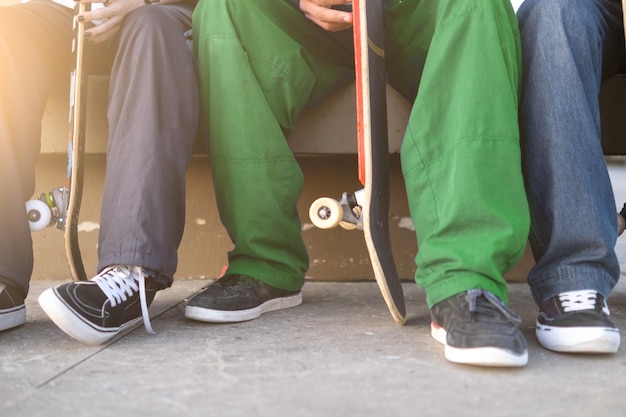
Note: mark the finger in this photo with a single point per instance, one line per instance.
(95, 32)
(104, 36)
(327, 3)
(329, 26)
(98, 14)
(325, 14)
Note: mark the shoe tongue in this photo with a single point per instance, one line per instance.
(154, 280)
(579, 300)
(484, 302)
(235, 280)
(471, 296)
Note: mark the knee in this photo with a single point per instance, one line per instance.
(146, 19)
(547, 16)
(217, 10)
(549, 25)
(211, 7)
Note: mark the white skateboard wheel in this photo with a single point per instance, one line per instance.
(39, 215)
(621, 224)
(326, 213)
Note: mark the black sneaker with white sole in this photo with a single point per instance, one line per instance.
(478, 329)
(97, 310)
(577, 322)
(12, 307)
(235, 298)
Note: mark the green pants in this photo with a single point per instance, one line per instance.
(262, 62)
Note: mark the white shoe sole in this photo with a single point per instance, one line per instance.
(578, 339)
(13, 317)
(74, 325)
(484, 356)
(221, 316)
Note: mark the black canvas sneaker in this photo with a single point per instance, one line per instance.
(235, 298)
(97, 310)
(12, 308)
(478, 329)
(577, 321)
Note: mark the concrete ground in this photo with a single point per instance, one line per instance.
(338, 354)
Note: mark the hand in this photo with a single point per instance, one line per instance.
(108, 19)
(321, 13)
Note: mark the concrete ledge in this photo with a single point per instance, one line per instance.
(336, 254)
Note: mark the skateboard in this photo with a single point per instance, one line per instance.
(368, 209)
(61, 206)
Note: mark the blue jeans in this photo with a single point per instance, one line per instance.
(568, 46)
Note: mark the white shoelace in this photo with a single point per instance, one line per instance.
(120, 282)
(580, 300)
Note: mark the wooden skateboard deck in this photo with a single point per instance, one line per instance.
(76, 151)
(61, 206)
(368, 209)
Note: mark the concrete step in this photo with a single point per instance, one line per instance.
(335, 254)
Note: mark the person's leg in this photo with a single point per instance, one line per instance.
(260, 63)
(461, 152)
(153, 115)
(568, 46)
(34, 52)
(462, 166)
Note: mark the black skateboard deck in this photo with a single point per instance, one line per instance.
(368, 209)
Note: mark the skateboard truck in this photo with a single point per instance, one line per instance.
(326, 213)
(48, 210)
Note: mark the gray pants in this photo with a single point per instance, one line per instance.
(152, 114)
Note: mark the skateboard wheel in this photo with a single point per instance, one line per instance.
(39, 215)
(621, 224)
(325, 213)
